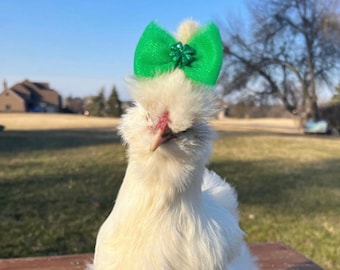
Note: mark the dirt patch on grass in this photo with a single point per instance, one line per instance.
(39, 121)
(280, 125)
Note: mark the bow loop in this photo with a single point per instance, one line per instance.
(158, 52)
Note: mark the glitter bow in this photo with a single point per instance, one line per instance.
(159, 52)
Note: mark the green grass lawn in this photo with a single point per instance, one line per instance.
(58, 186)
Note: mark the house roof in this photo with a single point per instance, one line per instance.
(37, 91)
(21, 91)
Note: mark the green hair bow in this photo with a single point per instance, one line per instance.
(159, 52)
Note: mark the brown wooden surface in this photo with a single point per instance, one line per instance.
(278, 256)
(271, 256)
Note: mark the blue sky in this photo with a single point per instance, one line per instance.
(79, 46)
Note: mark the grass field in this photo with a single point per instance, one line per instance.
(59, 176)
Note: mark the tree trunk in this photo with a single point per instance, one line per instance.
(314, 109)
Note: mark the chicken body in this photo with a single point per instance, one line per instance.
(171, 213)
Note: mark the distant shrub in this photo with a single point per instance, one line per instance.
(331, 113)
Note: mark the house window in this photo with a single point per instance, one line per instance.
(8, 107)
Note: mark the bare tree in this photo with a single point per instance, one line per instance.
(290, 49)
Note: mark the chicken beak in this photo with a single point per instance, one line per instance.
(157, 140)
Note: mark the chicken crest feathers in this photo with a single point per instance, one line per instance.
(186, 102)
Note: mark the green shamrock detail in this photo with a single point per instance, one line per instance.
(182, 55)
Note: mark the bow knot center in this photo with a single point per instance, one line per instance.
(182, 55)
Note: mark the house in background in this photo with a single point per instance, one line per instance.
(74, 105)
(29, 96)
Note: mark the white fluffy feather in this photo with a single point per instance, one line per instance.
(186, 30)
(171, 213)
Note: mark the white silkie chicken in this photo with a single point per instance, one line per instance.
(171, 213)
